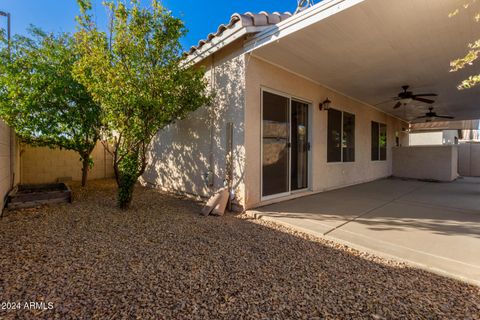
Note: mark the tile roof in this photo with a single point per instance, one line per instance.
(247, 19)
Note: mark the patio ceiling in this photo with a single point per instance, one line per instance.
(368, 49)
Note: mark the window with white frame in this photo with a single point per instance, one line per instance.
(341, 136)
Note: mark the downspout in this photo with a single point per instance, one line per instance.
(229, 165)
(210, 180)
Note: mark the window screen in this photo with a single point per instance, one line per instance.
(348, 141)
(383, 142)
(375, 141)
(334, 139)
(341, 136)
(379, 141)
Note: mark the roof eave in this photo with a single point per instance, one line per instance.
(299, 21)
(216, 44)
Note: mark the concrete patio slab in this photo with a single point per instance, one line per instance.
(463, 194)
(329, 210)
(432, 225)
(331, 214)
(444, 239)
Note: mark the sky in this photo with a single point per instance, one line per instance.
(200, 16)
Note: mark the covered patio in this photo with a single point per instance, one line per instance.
(432, 225)
(369, 49)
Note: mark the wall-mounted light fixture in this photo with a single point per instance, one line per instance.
(325, 105)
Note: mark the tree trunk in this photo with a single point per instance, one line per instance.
(126, 187)
(85, 167)
(116, 171)
(127, 171)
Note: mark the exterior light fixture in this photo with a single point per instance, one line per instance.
(325, 105)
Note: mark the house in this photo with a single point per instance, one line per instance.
(305, 102)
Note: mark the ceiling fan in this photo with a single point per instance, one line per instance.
(406, 97)
(430, 115)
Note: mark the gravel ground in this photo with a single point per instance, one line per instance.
(163, 260)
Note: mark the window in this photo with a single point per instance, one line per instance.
(379, 141)
(341, 136)
(348, 141)
(334, 151)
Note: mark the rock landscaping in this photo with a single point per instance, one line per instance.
(163, 260)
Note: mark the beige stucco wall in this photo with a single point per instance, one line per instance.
(426, 162)
(469, 159)
(5, 158)
(45, 165)
(9, 161)
(185, 151)
(324, 176)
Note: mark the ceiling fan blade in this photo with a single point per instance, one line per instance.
(422, 117)
(445, 117)
(397, 105)
(423, 100)
(426, 95)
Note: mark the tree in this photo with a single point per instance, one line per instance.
(473, 51)
(136, 73)
(40, 99)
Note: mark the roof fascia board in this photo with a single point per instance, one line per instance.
(217, 43)
(297, 22)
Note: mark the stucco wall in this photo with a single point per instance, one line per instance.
(426, 162)
(469, 159)
(324, 176)
(184, 152)
(9, 161)
(45, 165)
(5, 158)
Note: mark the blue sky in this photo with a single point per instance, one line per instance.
(201, 16)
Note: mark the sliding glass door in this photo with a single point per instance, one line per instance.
(285, 145)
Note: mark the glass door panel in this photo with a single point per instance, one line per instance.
(275, 140)
(300, 146)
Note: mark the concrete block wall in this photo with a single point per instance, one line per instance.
(45, 165)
